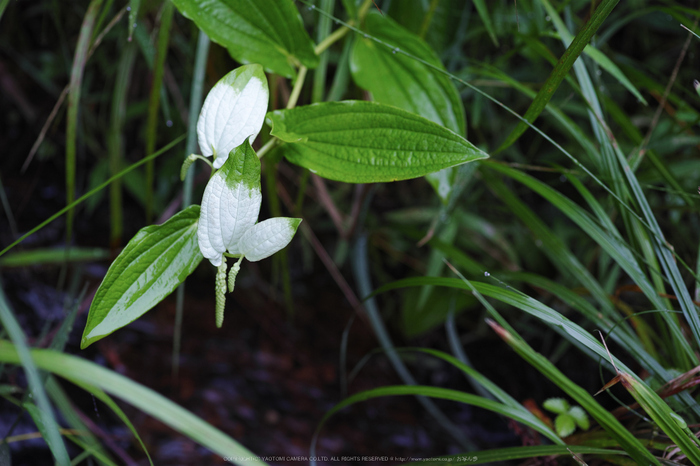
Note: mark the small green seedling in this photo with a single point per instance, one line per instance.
(568, 417)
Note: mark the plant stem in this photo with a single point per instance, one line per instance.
(331, 39)
(268, 146)
(294, 97)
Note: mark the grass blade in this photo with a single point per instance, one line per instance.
(606, 420)
(91, 192)
(90, 374)
(154, 100)
(115, 145)
(76, 80)
(45, 416)
(200, 65)
(561, 70)
(525, 418)
(486, 19)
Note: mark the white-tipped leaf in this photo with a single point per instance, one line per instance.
(233, 111)
(268, 237)
(230, 205)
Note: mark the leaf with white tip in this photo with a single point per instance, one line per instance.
(233, 111)
(230, 205)
(268, 237)
(556, 405)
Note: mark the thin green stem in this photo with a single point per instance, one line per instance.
(331, 39)
(296, 91)
(268, 147)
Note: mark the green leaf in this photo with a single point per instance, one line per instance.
(595, 54)
(269, 32)
(402, 81)
(367, 142)
(398, 79)
(556, 405)
(149, 268)
(580, 417)
(564, 425)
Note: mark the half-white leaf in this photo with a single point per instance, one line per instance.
(230, 205)
(233, 111)
(268, 237)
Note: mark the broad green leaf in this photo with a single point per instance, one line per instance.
(402, 81)
(268, 237)
(367, 142)
(149, 268)
(233, 111)
(269, 32)
(556, 405)
(230, 205)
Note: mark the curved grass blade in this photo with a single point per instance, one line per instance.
(628, 442)
(561, 69)
(365, 142)
(596, 55)
(53, 256)
(661, 413)
(85, 372)
(76, 80)
(89, 441)
(486, 19)
(116, 143)
(445, 394)
(92, 192)
(103, 397)
(44, 415)
(610, 241)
